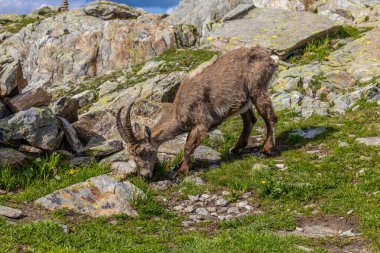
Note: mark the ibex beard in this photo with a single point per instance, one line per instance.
(230, 85)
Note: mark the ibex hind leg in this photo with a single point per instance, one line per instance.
(264, 107)
(249, 120)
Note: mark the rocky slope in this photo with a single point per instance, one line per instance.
(63, 77)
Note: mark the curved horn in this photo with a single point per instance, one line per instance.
(126, 131)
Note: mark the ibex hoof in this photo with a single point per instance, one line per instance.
(233, 151)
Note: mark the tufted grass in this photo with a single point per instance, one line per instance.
(346, 178)
(319, 49)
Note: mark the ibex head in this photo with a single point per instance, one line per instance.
(139, 143)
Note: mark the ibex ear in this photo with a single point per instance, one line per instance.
(148, 133)
(137, 127)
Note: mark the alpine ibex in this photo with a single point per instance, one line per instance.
(230, 85)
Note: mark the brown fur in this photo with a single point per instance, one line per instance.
(229, 85)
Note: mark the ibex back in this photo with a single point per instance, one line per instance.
(231, 85)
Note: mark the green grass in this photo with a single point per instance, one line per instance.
(15, 27)
(319, 49)
(43, 176)
(340, 181)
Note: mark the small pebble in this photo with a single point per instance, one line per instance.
(246, 195)
(242, 204)
(281, 166)
(189, 209)
(186, 223)
(193, 198)
(221, 202)
(225, 193)
(211, 209)
(65, 229)
(350, 212)
(233, 210)
(202, 211)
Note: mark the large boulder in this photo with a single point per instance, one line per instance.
(72, 45)
(278, 30)
(33, 98)
(98, 196)
(107, 10)
(200, 13)
(37, 126)
(97, 127)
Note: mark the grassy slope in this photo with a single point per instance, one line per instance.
(333, 182)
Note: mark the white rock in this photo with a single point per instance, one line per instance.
(10, 212)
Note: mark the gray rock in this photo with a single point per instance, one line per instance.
(171, 148)
(100, 125)
(11, 77)
(70, 134)
(194, 180)
(369, 141)
(82, 161)
(12, 157)
(85, 98)
(351, 10)
(121, 163)
(233, 210)
(104, 149)
(207, 154)
(285, 100)
(107, 88)
(289, 30)
(309, 133)
(29, 149)
(99, 196)
(37, 126)
(107, 10)
(201, 211)
(67, 108)
(200, 13)
(10, 212)
(221, 202)
(216, 136)
(238, 11)
(150, 66)
(161, 185)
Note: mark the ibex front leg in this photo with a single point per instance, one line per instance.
(264, 106)
(195, 138)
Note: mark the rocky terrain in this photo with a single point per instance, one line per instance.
(64, 75)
